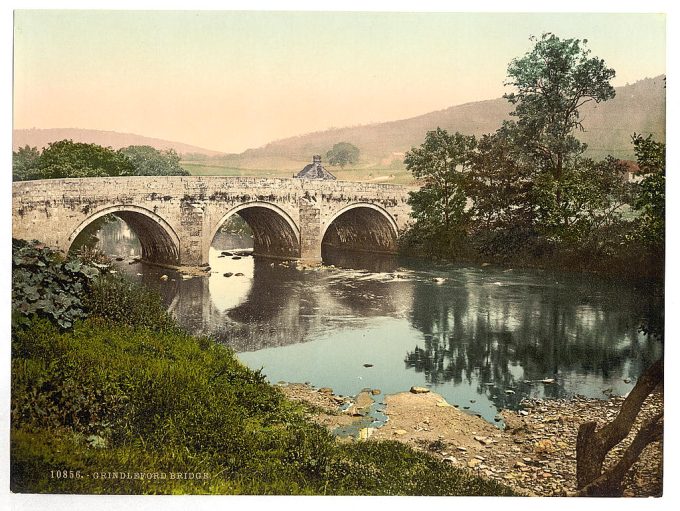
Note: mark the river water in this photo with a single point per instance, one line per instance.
(482, 337)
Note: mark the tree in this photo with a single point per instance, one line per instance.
(650, 201)
(501, 187)
(593, 444)
(25, 163)
(553, 81)
(343, 153)
(76, 159)
(441, 164)
(148, 161)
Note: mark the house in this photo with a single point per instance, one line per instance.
(314, 170)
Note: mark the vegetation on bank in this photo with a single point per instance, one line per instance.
(118, 399)
(526, 194)
(76, 159)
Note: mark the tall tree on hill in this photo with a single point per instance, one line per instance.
(343, 153)
(553, 81)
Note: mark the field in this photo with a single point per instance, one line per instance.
(287, 168)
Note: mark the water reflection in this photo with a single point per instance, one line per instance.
(482, 337)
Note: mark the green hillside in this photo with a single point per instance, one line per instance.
(637, 108)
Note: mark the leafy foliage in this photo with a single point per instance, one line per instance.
(148, 161)
(76, 159)
(552, 82)
(120, 301)
(66, 158)
(651, 198)
(24, 163)
(441, 164)
(532, 197)
(45, 284)
(343, 153)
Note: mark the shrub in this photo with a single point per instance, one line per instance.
(45, 284)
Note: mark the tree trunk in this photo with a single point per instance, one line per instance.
(592, 445)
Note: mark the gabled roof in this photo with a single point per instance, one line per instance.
(315, 170)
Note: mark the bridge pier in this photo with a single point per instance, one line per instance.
(310, 233)
(177, 217)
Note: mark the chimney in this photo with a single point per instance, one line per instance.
(316, 159)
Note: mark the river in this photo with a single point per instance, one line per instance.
(483, 337)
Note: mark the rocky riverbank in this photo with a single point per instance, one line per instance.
(535, 453)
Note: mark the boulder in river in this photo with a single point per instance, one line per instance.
(419, 390)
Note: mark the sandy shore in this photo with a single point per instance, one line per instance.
(535, 453)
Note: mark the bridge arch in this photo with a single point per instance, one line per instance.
(362, 227)
(275, 233)
(159, 241)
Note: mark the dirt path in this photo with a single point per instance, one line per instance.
(535, 453)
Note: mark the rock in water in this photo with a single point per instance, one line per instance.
(419, 390)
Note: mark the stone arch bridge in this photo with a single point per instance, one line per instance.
(176, 218)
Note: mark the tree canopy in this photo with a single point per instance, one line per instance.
(343, 153)
(440, 164)
(526, 192)
(66, 158)
(152, 162)
(553, 81)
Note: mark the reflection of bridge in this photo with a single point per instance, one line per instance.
(176, 218)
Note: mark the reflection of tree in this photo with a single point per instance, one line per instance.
(477, 333)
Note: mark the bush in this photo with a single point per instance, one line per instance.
(47, 285)
(118, 300)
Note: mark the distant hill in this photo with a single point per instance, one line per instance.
(637, 108)
(42, 137)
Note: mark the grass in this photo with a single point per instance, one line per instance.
(286, 170)
(124, 401)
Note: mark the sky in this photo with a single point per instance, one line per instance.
(232, 80)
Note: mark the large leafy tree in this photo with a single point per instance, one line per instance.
(25, 163)
(76, 159)
(650, 201)
(343, 153)
(553, 81)
(149, 161)
(501, 187)
(441, 164)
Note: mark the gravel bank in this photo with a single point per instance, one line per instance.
(535, 453)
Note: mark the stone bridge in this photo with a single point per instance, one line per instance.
(176, 218)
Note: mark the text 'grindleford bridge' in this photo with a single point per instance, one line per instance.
(176, 218)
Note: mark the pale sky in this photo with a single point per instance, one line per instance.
(232, 80)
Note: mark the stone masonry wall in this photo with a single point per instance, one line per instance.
(187, 211)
